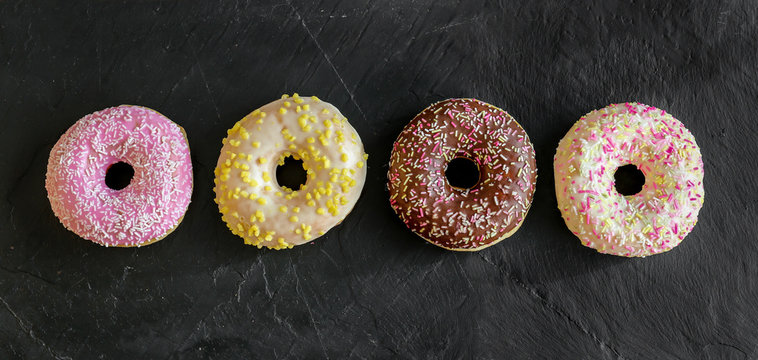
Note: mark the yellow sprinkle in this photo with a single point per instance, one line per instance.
(256, 144)
(283, 209)
(306, 107)
(282, 111)
(267, 188)
(283, 97)
(262, 160)
(360, 164)
(266, 177)
(343, 157)
(311, 203)
(296, 209)
(293, 218)
(287, 104)
(325, 111)
(262, 201)
(321, 211)
(365, 156)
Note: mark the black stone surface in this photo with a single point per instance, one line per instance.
(370, 288)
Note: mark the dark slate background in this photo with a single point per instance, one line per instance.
(370, 288)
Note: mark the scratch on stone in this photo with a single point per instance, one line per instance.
(239, 286)
(310, 311)
(13, 223)
(554, 308)
(176, 85)
(448, 26)
(30, 332)
(329, 257)
(463, 272)
(327, 58)
(285, 322)
(19, 271)
(265, 278)
(202, 73)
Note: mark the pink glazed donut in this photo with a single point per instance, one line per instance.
(152, 204)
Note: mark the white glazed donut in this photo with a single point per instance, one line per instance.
(251, 201)
(649, 222)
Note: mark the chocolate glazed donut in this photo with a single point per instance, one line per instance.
(472, 216)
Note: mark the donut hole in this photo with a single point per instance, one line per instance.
(291, 173)
(462, 173)
(119, 175)
(629, 180)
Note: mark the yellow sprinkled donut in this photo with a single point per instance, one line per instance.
(253, 203)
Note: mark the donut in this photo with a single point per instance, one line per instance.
(250, 198)
(489, 209)
(662, 213)
(153, 201)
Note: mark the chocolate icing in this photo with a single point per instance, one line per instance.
(455, 218)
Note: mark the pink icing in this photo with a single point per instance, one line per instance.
(156, 198)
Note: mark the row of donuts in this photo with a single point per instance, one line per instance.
(462, 175)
